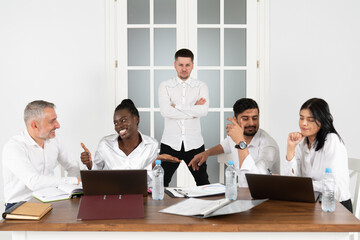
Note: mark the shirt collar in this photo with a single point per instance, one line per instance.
(143, 140)
(29, 139)
(304, 143)
(188, 81)
(255, 141)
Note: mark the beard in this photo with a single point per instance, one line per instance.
(184, 77)
(250, 133)
(47, 135)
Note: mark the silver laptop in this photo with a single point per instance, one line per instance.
(113, 182)
(286, 188)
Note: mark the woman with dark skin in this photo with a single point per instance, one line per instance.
(128, 148)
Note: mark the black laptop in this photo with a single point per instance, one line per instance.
(113, 182)
(285, 188)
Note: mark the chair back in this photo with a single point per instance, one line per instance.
(222, 160)
(354, 167)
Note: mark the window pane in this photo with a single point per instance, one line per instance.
(139, 95)
(165, 46)
(235, 11)
(227, 115)
(165, 11)
(208, 12)
(212, 80)
(138, 47)
(213, 169)
(234, 86)
(208, 47)
(235, 47)
(159, 126)
(210, 129)
(159, 76)
(144, 125)
(138, 11)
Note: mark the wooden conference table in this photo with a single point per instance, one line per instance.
(269, 220)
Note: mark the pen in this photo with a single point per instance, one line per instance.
(269, 171)
(181, 192)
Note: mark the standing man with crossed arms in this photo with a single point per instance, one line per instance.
(183, 100)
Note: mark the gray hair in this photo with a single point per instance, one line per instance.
(35, 110)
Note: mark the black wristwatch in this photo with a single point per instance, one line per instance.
(242, 145)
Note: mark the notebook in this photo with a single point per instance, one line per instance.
(112, 182)
(27, 211)
(285, 188)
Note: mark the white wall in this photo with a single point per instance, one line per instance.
(55, 50)
(314, 52)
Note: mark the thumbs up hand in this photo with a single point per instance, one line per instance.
(86, 157)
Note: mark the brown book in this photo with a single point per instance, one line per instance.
(111, 207)
(27, 211)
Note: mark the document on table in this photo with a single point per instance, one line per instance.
(209, 208)
(198, 191)
(63, 192)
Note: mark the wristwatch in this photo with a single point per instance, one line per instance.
(242, 145)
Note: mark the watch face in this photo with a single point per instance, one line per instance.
(242, 145)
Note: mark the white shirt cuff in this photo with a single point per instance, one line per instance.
(248, 163)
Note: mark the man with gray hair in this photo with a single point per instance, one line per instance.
(29, 159)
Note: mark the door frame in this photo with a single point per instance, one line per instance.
(261, 63)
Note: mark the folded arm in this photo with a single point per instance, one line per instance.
(200, 108)
(166, 108)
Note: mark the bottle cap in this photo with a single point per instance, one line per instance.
(157, 162)
(328, 170)
(231, 162)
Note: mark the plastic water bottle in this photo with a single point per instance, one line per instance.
(231, 183)
(328, 193)
(158, 181)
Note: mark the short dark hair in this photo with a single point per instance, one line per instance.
(321, 113)
(184, 52)
(244, 104)
(129, 105)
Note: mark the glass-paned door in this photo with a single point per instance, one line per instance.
(222, 36)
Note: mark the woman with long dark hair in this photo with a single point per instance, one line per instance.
(318, 146)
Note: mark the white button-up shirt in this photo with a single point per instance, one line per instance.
(109, 156)
(27, 167)
(263, 155)
(310, 163)
(182, 123)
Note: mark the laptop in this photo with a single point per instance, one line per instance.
(285, 188)
(113, 182)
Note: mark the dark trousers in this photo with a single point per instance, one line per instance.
(201, 176)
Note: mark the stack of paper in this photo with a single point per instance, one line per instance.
(198, 191)
(208, 208)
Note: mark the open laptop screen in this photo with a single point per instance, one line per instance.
(286, 188)
(112, 182)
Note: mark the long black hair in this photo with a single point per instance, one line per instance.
(321, 113)
(129, 105)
